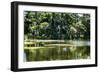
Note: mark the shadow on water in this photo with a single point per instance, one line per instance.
(58, 51)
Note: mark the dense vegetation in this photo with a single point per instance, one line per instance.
(51, 25)
(56, 36)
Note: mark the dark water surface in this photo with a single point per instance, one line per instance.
(48, 51)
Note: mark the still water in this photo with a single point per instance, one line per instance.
(57, 50)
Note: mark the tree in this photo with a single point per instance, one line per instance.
(56, 25)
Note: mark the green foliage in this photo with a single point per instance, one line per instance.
(43, 25)
(55, 25)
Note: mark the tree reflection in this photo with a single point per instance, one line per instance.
(56, 53)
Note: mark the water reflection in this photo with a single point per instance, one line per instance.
(47, 51)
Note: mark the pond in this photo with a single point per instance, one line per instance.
(48, 50)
